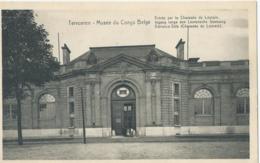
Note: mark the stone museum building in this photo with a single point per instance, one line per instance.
(135, 91)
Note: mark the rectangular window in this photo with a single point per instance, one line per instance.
(71, 107)
(176, 89)
(6, 111)
(14, 111)
(71, 91)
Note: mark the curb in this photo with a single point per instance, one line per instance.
(179, 138)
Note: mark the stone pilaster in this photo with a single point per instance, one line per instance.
(148, 103)
(88, 105)
(92, 103)
(104, 112)
(97, 103)
(93, 100)
(158, 102)
(153, 98)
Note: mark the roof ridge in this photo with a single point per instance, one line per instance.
(100, 47)
(152, 47)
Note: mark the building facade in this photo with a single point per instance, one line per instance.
(136, 91)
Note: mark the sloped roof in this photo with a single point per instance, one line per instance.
(137, 51)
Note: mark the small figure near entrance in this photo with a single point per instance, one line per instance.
(130, 132)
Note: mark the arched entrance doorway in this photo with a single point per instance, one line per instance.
(46, 111)
(123, 111)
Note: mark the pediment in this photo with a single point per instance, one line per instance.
(122, 63)
(122, 66)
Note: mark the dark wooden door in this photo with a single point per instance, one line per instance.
(117, 117)
(123, 116)
(129, 117)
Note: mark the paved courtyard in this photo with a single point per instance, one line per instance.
(137, 150)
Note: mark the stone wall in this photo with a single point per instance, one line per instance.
(153, 92)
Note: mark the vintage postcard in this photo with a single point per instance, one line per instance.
(129, 81)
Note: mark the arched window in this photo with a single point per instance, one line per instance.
(47, 113)
(203, 102)
(242, 101)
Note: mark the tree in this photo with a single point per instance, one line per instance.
(27, 57)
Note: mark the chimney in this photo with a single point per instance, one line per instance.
(66, 54)
(180, 49)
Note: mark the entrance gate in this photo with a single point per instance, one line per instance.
(123, 111)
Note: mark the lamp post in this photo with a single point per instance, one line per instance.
(83, 116)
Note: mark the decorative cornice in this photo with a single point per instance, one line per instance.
(145, 67)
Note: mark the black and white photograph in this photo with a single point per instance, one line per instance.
(129, 81)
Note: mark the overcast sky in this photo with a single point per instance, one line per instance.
(227, 43)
